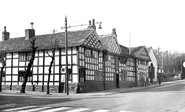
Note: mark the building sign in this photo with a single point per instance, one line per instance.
(184, 64)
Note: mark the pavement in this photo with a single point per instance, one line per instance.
(98, 93)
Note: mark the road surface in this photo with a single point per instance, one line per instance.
(167, 98)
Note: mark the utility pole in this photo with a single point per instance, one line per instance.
(181, 62)
(129, 43)
(162, 62)
(66, 49)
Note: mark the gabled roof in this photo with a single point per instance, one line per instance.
(75, 38)
(149, 49)
(124, 50)
(107, 41)
(104, 40)
(93, 41)
(138, 53)
(135, 49)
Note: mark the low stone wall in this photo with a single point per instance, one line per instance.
(40, 88)
(110, 85)
(85, 87)
(90, 86)
(125, 84)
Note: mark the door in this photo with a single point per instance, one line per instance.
(117, 80)
(151, 73)
(82, 75)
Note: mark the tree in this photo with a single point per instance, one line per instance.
(172, 61)
(25, 77)
(3, 63)
(54, 47)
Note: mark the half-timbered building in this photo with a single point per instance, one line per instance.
(126, 68)
(141, 64)
(115, 59)
(96, 62)
(85, 61)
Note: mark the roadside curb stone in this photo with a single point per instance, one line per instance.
(100, 93)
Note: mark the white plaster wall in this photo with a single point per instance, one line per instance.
(154, 61)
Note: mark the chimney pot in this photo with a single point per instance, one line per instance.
(114, 31)
(31, 25)
(4, 28)
(5, 34)
(89, 22)
(92, 26)
(29, 33)
(93, 22)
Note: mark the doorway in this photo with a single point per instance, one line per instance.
(117, 80)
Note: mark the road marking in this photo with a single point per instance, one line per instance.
(36, 109)
(101, 111)
(56, 109)
(126, 111)
(79, 110)
(30, 109)
(20, 108)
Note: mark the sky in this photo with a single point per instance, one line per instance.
(152, 23)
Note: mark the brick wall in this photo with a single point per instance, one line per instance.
(124, 84)
(53, 89)
(90, 86)
(110, 85)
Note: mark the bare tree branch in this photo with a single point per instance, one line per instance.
(33, 50)
(54, 47)
(48, 54)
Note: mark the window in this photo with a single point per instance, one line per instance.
(21, 75)
(3, 75)
(24, 56)
(88, 52)
(94, 54)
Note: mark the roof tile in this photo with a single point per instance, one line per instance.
(75, 38)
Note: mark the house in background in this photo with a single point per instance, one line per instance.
(153, 66)
(126, 68)
(141, 63)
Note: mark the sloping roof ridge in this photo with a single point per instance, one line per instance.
(138, 46)
(15, 38)
(123, 45)
(149, 48)
(104, 35)
(64, 32)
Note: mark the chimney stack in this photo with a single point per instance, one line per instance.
(92, 26)
(5, 34)
(114, 32)
(29, 33)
